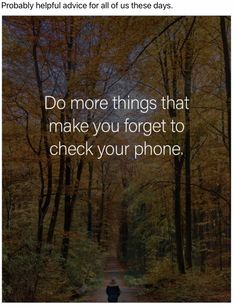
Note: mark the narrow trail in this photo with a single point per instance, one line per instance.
(113, 269)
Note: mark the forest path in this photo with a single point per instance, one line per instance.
(113, 269)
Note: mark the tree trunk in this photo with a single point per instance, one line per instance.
(227, 73)
(89, 201)
(40, 230)
(124, 230)
(220, 217)
(67, 208)
(102, 204)
(201, 234)
(69, 203)
(57, 202)
(58, 191)
(43, 204)
(178, 225)
(169, 227)
(187, 156)
(178, 162)
(202, 241)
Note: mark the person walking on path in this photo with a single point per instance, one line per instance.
(113, 291)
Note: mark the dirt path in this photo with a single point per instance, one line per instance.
(113, 269)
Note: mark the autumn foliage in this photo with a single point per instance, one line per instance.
(168, 218)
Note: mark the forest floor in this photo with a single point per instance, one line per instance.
(212, 286)
(113, 269)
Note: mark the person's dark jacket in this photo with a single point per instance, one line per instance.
(113, 292)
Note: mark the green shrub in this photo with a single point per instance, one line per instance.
(20, 274)
(84, 264)
(160, 272)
